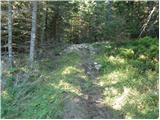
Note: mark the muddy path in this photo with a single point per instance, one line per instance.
(90, 105)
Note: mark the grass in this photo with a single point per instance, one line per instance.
(129, 76)
(41, 96)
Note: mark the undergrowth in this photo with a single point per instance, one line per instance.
(129, 76)
(41, 93)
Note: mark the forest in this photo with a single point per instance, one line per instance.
(79, 59)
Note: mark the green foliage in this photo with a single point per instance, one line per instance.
(115, 30)
(12, 70)
(126, 52)
(10, 79)
(129, 68)
(42, 95)
(79, 21)
(129, 74)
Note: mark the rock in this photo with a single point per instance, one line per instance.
(98, 66)
(80, 47)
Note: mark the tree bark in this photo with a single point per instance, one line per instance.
(46, 23)
(33, 33)
(148, 19)
(43, 27)
(10, 33)
(109, 10)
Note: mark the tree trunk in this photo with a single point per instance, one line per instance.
(43, 28)
(46, 22)
(109, 10)
(148, 19)
(10, 33)
(33, 33)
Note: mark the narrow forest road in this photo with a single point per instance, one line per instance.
(90, 104)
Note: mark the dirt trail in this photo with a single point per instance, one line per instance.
(90, 104)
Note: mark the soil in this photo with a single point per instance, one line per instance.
(90, 105)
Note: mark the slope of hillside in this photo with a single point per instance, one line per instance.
(98, 80)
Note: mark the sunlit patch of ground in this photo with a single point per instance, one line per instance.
(129, 76)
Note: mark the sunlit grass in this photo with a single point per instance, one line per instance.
(129, 75)
(70, 70)
(116, 60)
(65, 86)
(5, 94)
(41, 96)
